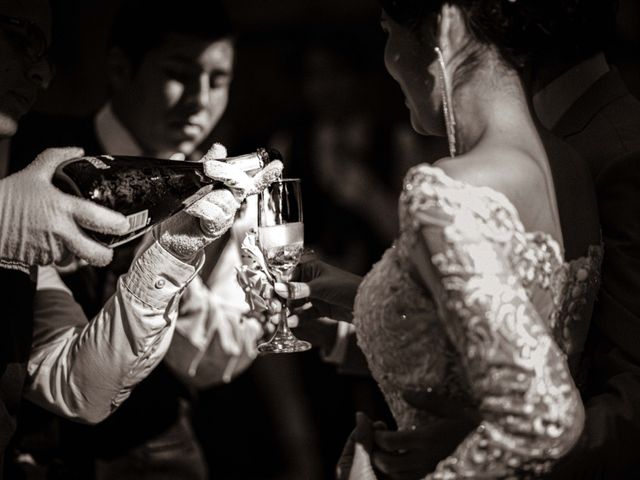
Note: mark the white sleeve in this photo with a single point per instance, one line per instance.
(213, 342)
(85, 370)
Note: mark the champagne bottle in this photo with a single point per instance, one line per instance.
(145, 190)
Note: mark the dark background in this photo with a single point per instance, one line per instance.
(300, 65)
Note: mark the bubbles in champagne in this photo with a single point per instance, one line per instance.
(282, 246)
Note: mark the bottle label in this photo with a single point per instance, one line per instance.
(138, 220)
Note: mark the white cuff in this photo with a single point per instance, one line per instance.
(156, 276)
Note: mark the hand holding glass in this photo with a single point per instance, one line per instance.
(281, 239)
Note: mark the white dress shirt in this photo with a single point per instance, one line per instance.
(85, 370)
(212, 342)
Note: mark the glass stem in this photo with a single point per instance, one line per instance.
(283, 324)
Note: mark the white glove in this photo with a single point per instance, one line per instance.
(40, 225)
(187, 232)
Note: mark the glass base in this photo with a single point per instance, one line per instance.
(284, 343)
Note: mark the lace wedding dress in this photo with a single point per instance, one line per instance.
(501, 326)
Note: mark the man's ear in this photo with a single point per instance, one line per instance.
(119, 69)
(452, 34)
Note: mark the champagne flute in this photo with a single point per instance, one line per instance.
(281, 239)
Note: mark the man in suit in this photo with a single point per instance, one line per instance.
(169, 67)
(586, 103)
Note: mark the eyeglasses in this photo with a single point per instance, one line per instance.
(26, 35)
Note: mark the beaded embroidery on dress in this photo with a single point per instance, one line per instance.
(506, 324)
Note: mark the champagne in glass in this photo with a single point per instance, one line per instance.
(281, 239)
(282, 246)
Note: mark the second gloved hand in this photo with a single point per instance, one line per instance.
(189, 231)
(40, 225)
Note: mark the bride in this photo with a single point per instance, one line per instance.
(476, 300)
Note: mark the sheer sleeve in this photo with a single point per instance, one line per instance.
(531, 411)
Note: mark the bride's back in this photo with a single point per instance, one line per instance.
(554, 195)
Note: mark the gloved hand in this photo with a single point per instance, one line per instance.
(40, 225)
(187, 232)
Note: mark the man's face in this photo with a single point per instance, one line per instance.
(177, 94)
(25, 30)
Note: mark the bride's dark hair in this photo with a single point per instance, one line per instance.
(520, 30)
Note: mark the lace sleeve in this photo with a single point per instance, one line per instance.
(532, 413)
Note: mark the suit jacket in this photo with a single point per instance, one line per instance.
(604, 127)
(604, 124)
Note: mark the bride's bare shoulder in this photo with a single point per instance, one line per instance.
(514, 173)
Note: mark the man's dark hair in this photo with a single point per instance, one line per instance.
(142, 25)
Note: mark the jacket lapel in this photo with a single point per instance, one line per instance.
(608, 88)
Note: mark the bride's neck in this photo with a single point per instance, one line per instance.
(491, 104)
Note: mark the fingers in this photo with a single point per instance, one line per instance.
(235, 178)
(97, 218)
(216, 212)
(216, 152)
(265, 177)
(380, 425)
(48, 160)
(230, 175)
(293, 321)
(364, 431)
(275, 306)
(216, 204)
(346, 458)
(182, 236)
(334, 286)
(303, 315)
(293, 290)
(228, 338)
(85, 248)
(253, 331)
(308, 255)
